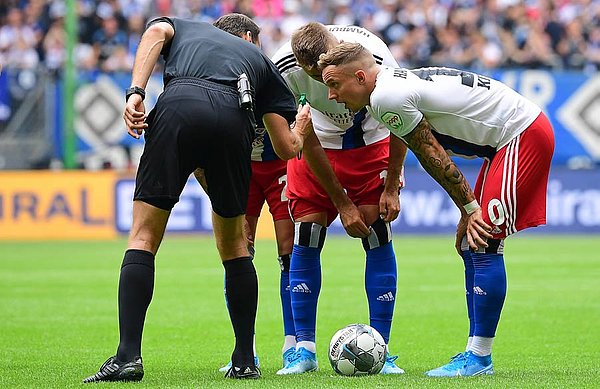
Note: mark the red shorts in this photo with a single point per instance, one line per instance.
(268, 182)
(361, 172)
(511, 188)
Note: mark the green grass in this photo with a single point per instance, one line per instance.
(58, 314)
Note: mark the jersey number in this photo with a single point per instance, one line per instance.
(383, 175)
(467, 78)
(283, 180)
(496, 212)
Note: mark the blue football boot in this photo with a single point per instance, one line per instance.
(464, 364)
(302, 361)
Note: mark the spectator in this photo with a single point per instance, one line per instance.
(572, 46)
(18, 42)
(592, 50)
(466, 33)
(110, 46)
(54, 46)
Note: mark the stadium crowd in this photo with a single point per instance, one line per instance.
(476, 34)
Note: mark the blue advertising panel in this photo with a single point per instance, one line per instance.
(570, 100)
(573, 205)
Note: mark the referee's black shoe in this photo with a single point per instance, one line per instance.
(245, 372)
(113, 370)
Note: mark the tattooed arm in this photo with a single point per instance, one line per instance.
(438, 164)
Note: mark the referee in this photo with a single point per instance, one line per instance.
(203, 119)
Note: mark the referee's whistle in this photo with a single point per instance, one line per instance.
(302, 99)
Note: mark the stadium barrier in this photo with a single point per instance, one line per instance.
(97, 205)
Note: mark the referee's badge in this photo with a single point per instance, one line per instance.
(392, 120)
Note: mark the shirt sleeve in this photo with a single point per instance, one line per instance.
(160, 19)
(273, 94)
(396, 107)
(167, 48)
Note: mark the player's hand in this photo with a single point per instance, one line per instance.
(477, 230)
(353, 222)
(303, 125)
(135, 116)
(389, 206)
(461, 231)
(248, 233)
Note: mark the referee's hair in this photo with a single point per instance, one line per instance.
(238, 25)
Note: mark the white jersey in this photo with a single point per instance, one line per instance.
(335, 126)
(471, 115)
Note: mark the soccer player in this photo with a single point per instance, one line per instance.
(267, 183)
(438, 112)
(357, 177)
(203, 119)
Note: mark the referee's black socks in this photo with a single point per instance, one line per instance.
(136, 285)
(241, 289)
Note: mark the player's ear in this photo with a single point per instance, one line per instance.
(248, 36)
(361, 76)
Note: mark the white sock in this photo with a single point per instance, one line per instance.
(310, 346)
(481, 346)
(288, 342)
(469, 342)
(254, 344)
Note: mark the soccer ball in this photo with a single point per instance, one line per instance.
(357, 349)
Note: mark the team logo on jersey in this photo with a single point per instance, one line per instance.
(392, 119)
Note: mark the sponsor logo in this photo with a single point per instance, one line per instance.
(301, 288)
(389, 296)
(479, 291)
(496, 230)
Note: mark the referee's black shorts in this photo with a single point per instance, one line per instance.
(197, 123)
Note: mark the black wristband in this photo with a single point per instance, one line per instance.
(135, 90)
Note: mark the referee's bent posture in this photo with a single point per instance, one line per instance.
(203, 119)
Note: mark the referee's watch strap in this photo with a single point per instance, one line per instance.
(135, 90)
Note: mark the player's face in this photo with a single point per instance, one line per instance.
(343, 87)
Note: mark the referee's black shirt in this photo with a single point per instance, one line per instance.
(200, 50)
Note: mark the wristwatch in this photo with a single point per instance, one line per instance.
(135, 90)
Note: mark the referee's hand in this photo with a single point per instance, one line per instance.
(135, 116)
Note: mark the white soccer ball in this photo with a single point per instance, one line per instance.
(357, 349)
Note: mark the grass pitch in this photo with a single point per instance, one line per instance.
(58, 314)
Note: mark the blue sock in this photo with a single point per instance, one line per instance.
(284, 292)
(305, 278)
(469, 279)
(380, 277)
(489, 288)
(380, 284)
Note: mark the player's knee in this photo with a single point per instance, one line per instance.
(309, 234)
(231, 246)
(381, 234)
(144, 239)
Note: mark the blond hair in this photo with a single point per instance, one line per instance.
(345, 53)
(309, 42)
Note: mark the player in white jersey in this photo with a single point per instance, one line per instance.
(331, 120)
(438, 109)
(347, 178)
